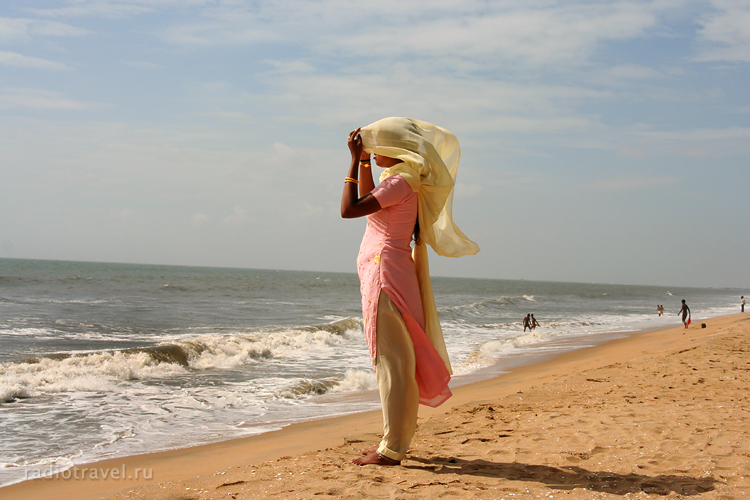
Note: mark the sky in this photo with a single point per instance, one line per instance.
(602, 141)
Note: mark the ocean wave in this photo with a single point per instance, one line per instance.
(480, 307)
(308, 387)
(55, 464)
(176, 288)
(488, 352)
(222, 351)
(10, 393)
(93, 371)
(27, 332)
(357, 380)
(100, 370)
(75, 324)
(48, 300)
(352, 381)
(340, 326)
(210, 351)
(119, 435)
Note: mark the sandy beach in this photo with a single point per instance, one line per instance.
(654, 415)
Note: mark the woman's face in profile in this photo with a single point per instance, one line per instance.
(385, 161)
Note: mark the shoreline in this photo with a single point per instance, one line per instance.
(549, 349)
(205, 463)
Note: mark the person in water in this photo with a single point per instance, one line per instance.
(534, 322)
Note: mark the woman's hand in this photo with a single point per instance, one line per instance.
(355, 144)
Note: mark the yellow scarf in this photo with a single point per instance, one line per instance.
(429, 162)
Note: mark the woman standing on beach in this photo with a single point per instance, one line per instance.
(413, 200)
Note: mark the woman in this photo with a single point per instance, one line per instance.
(412, 202)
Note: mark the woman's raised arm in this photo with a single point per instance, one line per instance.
(353, 206)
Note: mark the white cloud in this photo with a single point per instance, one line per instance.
(114, 9)
(21, 61)
(726, 32)
(95, 9)
(17, 98)
(556, 35)
(706, 143)
(12, 29)
(695, 135)
(449, 32)
(634, 72)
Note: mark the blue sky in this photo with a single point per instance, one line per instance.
(602, 141)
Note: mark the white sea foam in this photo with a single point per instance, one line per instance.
(227, 351)
(100, 371)
(61, 462)
(223, 351)
(26, 332)
(357, 380)
(11, 392)
(83, 372)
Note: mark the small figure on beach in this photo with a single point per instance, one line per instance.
(534, 322)
(400, 317)
(660, 310)
(742, 303)
(527, 322)
(685, 311)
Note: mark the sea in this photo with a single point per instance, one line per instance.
(101, 360)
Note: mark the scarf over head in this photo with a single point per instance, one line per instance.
(429, 162)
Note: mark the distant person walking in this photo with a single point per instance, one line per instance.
(685, 311)
(527, 322)
(742, 303)
(660, 310)
(534, 322)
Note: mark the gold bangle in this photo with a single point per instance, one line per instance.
(352, 180)
(365, 164)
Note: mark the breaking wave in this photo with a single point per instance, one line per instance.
(101, 370)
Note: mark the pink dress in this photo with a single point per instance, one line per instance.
(385, 263)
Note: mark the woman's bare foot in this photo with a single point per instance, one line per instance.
(367, 451)
(375, 458)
